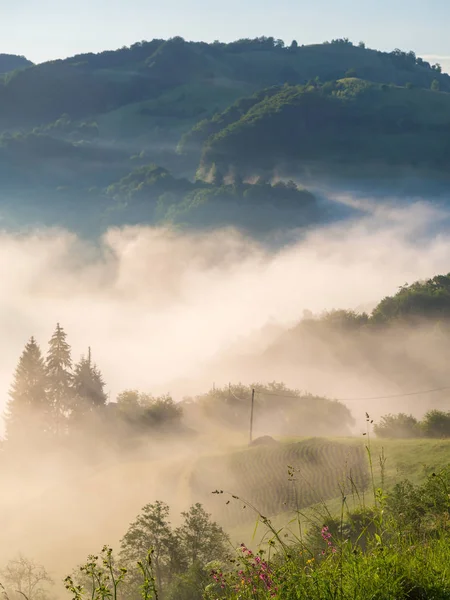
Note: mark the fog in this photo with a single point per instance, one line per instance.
(178, 312)
(156, 306)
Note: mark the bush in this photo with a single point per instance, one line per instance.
(436, 424)
(421, 509)
(397, 426)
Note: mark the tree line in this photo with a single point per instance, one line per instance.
(435, 424)
(51, 397)
(49, 393)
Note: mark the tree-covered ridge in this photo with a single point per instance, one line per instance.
(402, 343)
(421, 300)
(255, 207)
(73, 131)
(11, 62)
(51, 176)
(349, 121)
(193, 139)
(90, 83)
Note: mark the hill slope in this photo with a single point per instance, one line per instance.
(73, 131)
(349, 121)
(94, 84)
(11, 62)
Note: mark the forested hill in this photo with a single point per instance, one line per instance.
(11, 62)
(404, 341)
(92, 84)
(349, 121)
(87, 131)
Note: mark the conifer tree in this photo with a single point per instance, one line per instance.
(28, 411)
(88, 386)
(60, 378)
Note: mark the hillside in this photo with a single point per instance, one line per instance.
(11, 62)
(278, 480)
(85, 131)
(347, 122)
(402, 346)
(92, 84)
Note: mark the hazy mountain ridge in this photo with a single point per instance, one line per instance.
(347, 122)
(73, 129)
(11, 62)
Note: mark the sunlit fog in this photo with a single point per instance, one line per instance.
(225, 307)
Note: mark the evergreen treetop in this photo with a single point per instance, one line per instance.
(28, 410)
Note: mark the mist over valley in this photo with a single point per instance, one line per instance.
(225, 322)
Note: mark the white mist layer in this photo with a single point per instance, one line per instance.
(156, 306)
(167, 311)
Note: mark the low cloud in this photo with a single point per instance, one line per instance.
(158, 306)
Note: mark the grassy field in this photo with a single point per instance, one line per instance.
(102, 501)
(172, 113)
(309, 475)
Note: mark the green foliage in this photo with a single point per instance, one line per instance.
(280, 478)
(101, 579)
(352, 121)
(174, 551)
(144, 411)
(59, 377)
(435, 87)
(89, 83)
(394, 549)
(152, 193)
(422, 299)
(152, 530)
(47, 395)
(11, 62)
(69, 128)
(193, 140)
(397, 547)
(200, 538)
(191, 584)
(397, 426)
(289, 411)
(88, 388)
(28, 412)
(436, 424)
(421, 509)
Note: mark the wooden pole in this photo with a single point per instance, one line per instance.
(251, 417)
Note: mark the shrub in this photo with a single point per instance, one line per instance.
(436, 424)
(397, 426)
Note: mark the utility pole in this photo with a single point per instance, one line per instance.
(251, 417)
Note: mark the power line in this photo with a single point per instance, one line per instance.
(366, 398)
(396, 395)
(362, 398)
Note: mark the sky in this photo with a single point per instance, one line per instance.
(48, 29)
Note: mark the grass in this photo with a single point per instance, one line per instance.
(322, 466)
(129, 122)
(402, 459)
(387, 544)
(382, 545)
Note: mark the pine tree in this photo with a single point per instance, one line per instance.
(88, 386)
(28, 411)
(59, 374)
